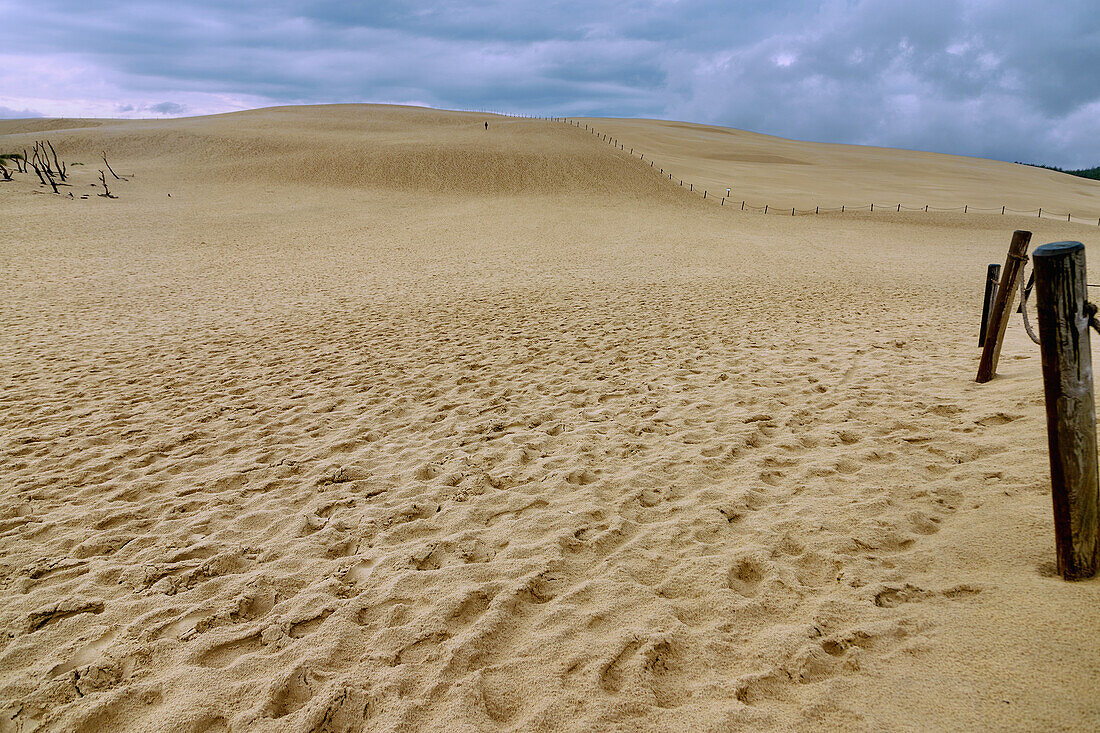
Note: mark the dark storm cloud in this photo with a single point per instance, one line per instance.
(1000, 78)
(7, 113)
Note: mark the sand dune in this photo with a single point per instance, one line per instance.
(791, 173)
(385, 422)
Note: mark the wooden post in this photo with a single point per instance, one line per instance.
(1002, 305)
(765, 208)
(1060, 287)
(992, 274)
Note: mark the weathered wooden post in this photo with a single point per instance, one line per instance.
(1060, 287)
(1002, 305)
(992, 274)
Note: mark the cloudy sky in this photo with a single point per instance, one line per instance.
(1007, 79)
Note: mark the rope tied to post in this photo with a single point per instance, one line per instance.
(1090, 311)
(1023, 309)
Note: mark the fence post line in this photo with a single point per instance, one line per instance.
(742, 206)
(899, 208)
(1061, 293)
(1040, 212)
(842, 208)
(1002, 305)
(992, 274)
(792, 211)
(817, 209)
(765, 208)
(966, 208)
(926, 208)
(1002, 211)
(872, 207)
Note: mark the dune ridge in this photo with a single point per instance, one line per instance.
(761, 169)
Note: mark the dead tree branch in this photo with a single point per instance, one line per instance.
(5, 172)
(106, 191)
(112, 170)
(45, 177)
(57, 164)
(42, 157)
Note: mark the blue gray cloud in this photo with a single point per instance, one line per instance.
(1005, 79)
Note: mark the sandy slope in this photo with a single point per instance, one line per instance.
(788, 173)
(384, 422)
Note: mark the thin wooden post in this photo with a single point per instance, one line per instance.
(1002, 305)
(992, 275)
(765, 208)
(742, 206)
(966, 208)
(1061, 293)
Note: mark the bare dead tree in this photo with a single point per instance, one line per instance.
(106, 191)
(45, 177)
(5, 172)
(24, 161)
(42, 158)
(57, 164)
(112, 170)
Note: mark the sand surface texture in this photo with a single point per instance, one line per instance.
(367, 418)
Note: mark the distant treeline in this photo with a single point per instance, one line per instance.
(1093, 173)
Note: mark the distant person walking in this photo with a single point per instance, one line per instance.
(486, 125)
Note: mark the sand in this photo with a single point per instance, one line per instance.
(382, 421)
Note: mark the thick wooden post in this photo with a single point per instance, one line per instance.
(1002, 305)
(992, 274)
(1060, 287)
